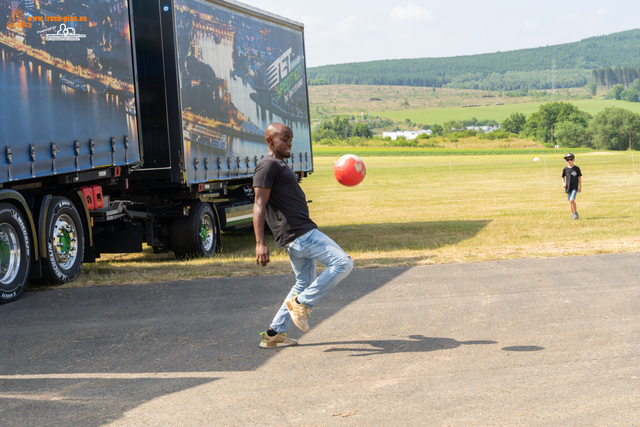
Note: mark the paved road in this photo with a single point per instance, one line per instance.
(525, 342)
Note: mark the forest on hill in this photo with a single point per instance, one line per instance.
(520, 69)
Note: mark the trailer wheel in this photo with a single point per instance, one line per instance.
(15, 253)
(65, 242)
(196, 234)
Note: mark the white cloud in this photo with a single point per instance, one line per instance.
(410, 13)
(602, 11)
(346, 25)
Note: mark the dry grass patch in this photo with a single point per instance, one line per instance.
(353, 99)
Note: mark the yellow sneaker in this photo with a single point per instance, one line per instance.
(278, 340)
(298, 313)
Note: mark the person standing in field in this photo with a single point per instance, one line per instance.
(280, 200)
(572, 183)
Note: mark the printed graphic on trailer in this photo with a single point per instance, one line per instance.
(66, 75)
(238, 74)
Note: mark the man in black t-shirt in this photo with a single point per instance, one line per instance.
(572, 183)
(280, 200)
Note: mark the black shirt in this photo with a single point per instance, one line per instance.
(287, 211)
(572, 175)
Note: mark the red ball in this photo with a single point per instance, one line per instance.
(349, 170)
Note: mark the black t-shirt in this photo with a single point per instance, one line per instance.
(287, 211)
(572, 175)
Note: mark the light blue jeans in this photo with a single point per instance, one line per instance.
(303, 254)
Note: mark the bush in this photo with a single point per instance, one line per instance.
(612, 128)
(616, 92)
(496, 134)
(321, 134)
(571, 135)
(631, 95)
(514, 123)
(401, 141)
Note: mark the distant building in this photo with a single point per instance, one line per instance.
(485, 129)
(408, 134)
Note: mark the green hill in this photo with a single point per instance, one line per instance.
(525, 68)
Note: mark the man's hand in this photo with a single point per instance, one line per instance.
(262, 254)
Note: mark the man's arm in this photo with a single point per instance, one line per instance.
(259, 215)
(580, 184)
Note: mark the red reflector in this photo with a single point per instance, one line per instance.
(97, 197)
(88, 196)
(117, 171)
(200, 188)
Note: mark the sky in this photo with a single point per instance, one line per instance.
(341, 31)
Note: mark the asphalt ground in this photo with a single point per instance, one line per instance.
(544, 342)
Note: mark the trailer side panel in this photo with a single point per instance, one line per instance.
(239, 71)
(67, 89)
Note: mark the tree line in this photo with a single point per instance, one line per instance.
(607, 78)
(525, 68)
(341, 128)
(555, 123)
(563, 124)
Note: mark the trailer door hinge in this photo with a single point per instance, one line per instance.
(9, 161)
(32, 154)
(113, 150)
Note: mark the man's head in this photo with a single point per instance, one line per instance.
(278, 137)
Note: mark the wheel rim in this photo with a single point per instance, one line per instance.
(206, 232)
(65, 241)
(9, 253)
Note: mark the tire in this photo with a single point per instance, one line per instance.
(195, 235)
(15, 253)
(64, 241)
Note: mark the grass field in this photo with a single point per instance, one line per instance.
(447, 152)
(349, 99)
(496, 112)
(413, 210)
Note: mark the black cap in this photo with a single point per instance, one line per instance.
(569, 156)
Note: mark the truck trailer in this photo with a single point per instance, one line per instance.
(132, 122)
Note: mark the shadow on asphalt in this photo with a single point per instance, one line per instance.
(86, 356)
(86, 402)
(415, 344)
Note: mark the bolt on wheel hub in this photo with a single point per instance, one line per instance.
(206, 232)
(65, 241)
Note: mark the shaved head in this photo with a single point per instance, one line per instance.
(275, 128)
(278, 137)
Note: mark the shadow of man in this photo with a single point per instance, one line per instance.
(415, 343)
